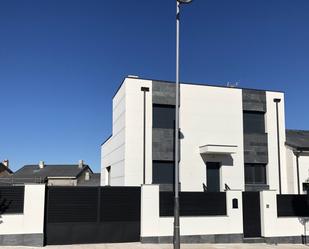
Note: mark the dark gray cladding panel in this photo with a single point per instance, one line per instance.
(163, 93)
(254, 100)
(162, 144)
(256, 187)
(256, 148)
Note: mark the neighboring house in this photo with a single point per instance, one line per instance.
(90, 180)
(52, 175)
(297, 144)
(4, 169)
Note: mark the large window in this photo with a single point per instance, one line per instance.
(163, 172)
(255, 173)
(163, 116)
(254, 122)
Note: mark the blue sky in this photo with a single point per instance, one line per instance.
(62, 60)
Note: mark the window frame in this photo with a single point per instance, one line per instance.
(156, 181)
(257, 129)
(254, 173)
(163, 121)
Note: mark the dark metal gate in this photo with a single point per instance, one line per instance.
(251, 214)
(77, 215)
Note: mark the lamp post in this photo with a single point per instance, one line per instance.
(176, 241)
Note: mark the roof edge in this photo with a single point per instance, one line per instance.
(204, 84)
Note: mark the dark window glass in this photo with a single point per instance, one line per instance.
(254, 122)
(163, 172)
(213, 176)
(163, 116)
(255, 173)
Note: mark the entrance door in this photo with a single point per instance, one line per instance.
(251, 214)
(213, 176)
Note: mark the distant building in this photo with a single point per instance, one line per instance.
(4, 168)
(53, 175)
(93, 180)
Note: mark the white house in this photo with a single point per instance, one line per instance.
(297, 145)
(232, 140)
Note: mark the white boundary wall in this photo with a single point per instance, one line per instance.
(26, 228)
(154, 226)
(274, 226)
(32, 220)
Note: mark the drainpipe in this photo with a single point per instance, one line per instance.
(297, 154)
(277, 101)
(144, 89)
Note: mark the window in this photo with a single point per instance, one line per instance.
(255, 173)
(254, 122)
(163, 172)
(163, 116)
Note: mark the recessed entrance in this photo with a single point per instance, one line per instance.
(213, 176)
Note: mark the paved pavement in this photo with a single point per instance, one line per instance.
(164, 246)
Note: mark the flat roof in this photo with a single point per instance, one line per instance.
(204, 84)
(194, 84)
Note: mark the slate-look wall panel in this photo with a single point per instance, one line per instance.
(254, 100)
(163, 93)
(255, 145)
(256, 148)
(163, 139)
(162, 144)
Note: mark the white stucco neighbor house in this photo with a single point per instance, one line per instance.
(232, 141)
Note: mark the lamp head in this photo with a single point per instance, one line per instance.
(277, 100)
(184, 1)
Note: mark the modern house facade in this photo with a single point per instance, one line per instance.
(239, 176)
(228, 137)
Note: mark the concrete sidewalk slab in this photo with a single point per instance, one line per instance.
(165, 246)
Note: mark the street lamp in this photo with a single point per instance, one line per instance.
(176, 181)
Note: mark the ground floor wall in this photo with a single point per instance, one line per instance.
(280, 229)
(205, 217)
(210, 229)
(227, 228)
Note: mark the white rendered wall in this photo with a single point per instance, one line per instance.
(272, 226)
(32, 220)
(154, 226)
(134, 132)
(113, 150)
(271, 130)
(292, 170)
(210, 115)
(303, 170)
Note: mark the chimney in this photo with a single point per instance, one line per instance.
(80, 164)
(41, 164)
(6, 163)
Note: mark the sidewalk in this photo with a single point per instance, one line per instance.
(165, 246)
